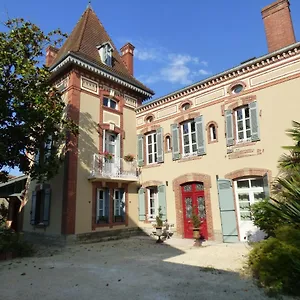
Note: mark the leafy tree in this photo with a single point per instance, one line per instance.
(32, 121)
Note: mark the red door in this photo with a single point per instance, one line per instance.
(193, 196)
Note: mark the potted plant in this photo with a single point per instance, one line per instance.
(108, 155)
(102, 220)
(196, 224)
(159, 222)
(129, 157)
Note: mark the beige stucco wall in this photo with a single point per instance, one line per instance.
(129, 142)
(278, 105)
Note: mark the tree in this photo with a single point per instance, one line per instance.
(32, 121)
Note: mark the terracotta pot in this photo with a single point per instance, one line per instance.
(158, 230)
(196, 233)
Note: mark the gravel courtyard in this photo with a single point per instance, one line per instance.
(135, 268)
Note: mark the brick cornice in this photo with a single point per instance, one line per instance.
(186, 117)
(246, 172)
(149, 129)
(151, 183)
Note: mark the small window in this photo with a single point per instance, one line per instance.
(151, 148)
(168, 143)
(152, 203)
(237, 88)
(110, 103)
(189, 143)
(186, 106)
(212, 133)
(149, 119)
(243, 129)
(105, 52)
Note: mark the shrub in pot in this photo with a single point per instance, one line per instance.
(196, 224)
(159, 222)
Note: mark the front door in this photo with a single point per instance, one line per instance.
(111, 146)
(193, 197)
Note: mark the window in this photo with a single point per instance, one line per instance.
(168, 143)
(149, 119)
(151, 148)
(152, 203)
(212, 133)
(119, 205)
(109, 103)
(243, 128)
(237, 89)
(189, 144)
(102, 211)
(105, 52)
(185, 106)
(40, 207)
(249, 191)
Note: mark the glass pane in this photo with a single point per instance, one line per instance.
(186, 140)
(248, 124)
(188, 207)
(187, 149)
(193, 137)
(248, 133)
(245, 216)
(154, 137)
(185, 128)
(259, 196)
(237, 89)
(113, 104)
(244, 206)
(194, 146)
(155, 147)
(258, 182)
(117, 194)
(149, 149)
(187, 188)
(247, 112)
(150, 159)
(193, 128)
(243, 197)
(240, 125)
(105, 101)
(199, 187)
(239, 114)
(101, 194)
(241, 135)
(149, 139)
(201, 207)
(241, 184)
(155, 157)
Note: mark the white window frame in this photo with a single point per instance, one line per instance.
(98, 204)
(250, 191)
(244, 130)
(109, 103)
(152, 217)
(152, 145)
(117, 208)
(189, 134)
(168, 143)
(211, 132)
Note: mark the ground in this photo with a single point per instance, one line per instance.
(135, 268)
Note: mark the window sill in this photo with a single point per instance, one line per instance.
(112, 110)
(189, 158)
(243, 144)
(151, 166)
(212, 142)
(118, 223)
(102, 225)
(40, 225)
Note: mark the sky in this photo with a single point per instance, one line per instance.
(177, 42)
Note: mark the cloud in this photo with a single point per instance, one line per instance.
(146, 54)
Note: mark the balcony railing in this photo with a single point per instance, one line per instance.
(115, 168)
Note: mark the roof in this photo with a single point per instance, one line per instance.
(83, 41)
(246, 66)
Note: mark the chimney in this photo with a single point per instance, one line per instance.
(51, 53)
(278, 25)
(127, 56)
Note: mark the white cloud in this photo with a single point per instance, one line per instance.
(146, 54)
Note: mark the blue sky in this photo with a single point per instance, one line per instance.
(177, 42)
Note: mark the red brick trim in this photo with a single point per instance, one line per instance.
(187, 117)
(151, 183)
(193, 177)
(69, 199)
(209, 141)
(238, 82)
(241, 102)
(183, 103)
(149, 129)
(167, 135)
(118, 99)
(247, 172)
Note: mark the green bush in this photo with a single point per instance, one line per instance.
(265, 218)
(275, 262)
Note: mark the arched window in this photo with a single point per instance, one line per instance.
(168, 146)
(186, 106)
(149, 119)
(212, 132)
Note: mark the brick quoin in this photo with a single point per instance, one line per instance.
(177, 183)
(278, 25)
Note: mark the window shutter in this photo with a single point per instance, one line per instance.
(227, 211)
(140, 150)
(46, 217)
(200, 135)
(106, 203)
(254, 121)
(229, 128)
(160, 144)
(48, 147)
(162, 201)
(142, 211)
(122, 194)
(175, 141)
(33, 206)
(118, 149)
(266, 186)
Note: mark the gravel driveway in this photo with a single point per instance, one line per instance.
(135, 268)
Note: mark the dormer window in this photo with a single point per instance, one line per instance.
(105, 52)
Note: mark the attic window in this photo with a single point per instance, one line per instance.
(237, 88)
(185, 106)
(149, 119)
(105, 52)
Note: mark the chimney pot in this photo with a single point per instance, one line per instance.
(127, 56)
(278, 25)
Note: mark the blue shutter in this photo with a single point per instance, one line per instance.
(229, 128)
(122, 195)
(200, 135)
(140, 150)
(266, 186)
(33, 207)
(47, 198)
(160, 143)
(227, 211)
(106, 203)
(142, 210)
(254, 121)
(175, 141)
(162, 201)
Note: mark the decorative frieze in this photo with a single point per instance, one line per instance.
(62, 85)
(89, 85)
(131, 102)
(112, 92)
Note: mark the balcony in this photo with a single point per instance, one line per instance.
(115, 169)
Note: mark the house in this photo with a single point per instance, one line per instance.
(212, 146)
